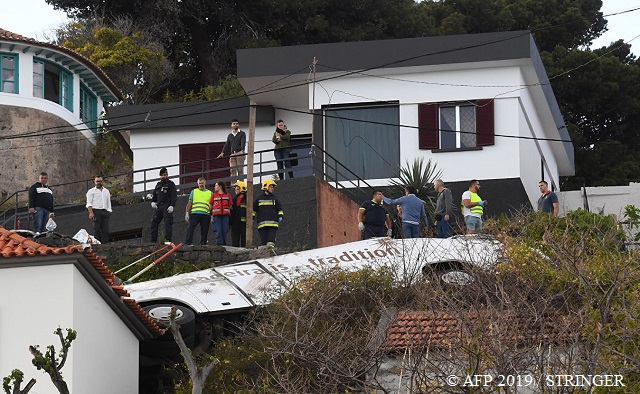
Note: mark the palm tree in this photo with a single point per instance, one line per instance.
(420, 175)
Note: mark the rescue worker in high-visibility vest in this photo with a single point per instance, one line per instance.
(198, 212)
(239, 215)
(267, 211)
(473, 207)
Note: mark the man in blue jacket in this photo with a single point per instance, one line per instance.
(412, 212)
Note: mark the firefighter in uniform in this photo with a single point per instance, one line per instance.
(239, 215)
(267, 211)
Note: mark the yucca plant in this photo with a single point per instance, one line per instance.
(421, 176)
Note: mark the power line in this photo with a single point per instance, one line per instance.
(289, 86)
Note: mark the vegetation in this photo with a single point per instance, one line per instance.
(17, 377)
(563, 300)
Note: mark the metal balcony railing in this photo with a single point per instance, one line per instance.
(312, 159)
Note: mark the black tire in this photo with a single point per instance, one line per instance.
(185, 317)
(449, 274)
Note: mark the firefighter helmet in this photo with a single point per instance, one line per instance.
(242, 185)
(267, 183)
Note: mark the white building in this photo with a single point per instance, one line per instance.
(50, 101)
(479, 106)
(44, 288)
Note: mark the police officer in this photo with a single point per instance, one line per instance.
(163, 201)
(373, 218)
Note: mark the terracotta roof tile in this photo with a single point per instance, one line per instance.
(412, 329)
(14, 245)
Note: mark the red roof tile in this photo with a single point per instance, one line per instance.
(14, 245)
(442, 330)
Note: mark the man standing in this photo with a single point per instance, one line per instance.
(40, 203)
(198, 212)
(373, 218)
(473, 207)
(413, 212)
(99, 207)
(163, 201)
(239, 215)
(548, 201)
(267, 211)
(236, 141)
(444, 209)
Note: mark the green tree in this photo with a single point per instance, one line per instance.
(132, 58)
(52, 362)
(17, 376)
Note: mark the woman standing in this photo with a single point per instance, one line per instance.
(220, 211)
(282, 140)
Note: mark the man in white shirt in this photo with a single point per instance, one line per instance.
(99, 206)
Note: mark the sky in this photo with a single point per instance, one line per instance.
(41, 18)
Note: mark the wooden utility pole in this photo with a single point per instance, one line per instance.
(313, 102)
(250, 149)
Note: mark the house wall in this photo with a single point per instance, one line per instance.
(103, 358)
(61, 134)
(515, 115)
(25, 64)
(161, 147)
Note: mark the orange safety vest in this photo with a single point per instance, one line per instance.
(220, 204)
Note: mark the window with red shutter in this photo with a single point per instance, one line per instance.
(451, 126)
(428, 126)
(198, 160)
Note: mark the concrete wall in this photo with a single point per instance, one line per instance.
(39, 299)
(607, 200)
(315, 213)
(298, 230)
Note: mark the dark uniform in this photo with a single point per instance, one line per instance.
(239, 220)
(375, 219)
(165, 196)
(267, 211)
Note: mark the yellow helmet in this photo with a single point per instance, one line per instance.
(267, 183)
(242, 185)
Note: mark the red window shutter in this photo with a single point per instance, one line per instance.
(484, 123)
(200, 160)
(428, 126)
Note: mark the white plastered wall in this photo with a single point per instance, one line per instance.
(35, 301)
(502, 160)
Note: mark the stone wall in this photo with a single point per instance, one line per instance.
(57, 148)
(211, 256)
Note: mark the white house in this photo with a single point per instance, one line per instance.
(50, 101)
(44, 288)
(478, 105)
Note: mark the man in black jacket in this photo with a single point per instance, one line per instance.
(40, 203)
(163, 201)
(236, 140)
